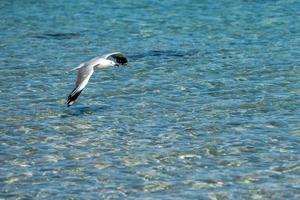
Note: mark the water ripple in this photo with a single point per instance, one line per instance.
(207, 108)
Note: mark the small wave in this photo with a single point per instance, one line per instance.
(57, 36)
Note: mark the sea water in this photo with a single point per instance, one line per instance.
(208, 106)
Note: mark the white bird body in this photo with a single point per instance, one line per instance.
(86, 69)
(101, 63)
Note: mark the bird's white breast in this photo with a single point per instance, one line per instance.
(101, 63)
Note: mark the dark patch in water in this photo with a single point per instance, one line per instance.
(57, 36)
(81, 110)
(165, 53)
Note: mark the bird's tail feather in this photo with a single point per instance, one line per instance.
(73, 96)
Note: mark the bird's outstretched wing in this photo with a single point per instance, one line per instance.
(83, 75)
(79, 66)
(118, 56)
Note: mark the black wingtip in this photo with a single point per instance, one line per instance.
(72, 97)
(122, 60)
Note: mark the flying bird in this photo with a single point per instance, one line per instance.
(86, 69)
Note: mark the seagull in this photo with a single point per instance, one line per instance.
(86, 69)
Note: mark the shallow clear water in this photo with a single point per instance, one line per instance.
(208, 107)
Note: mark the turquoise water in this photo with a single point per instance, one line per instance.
(207, 108)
